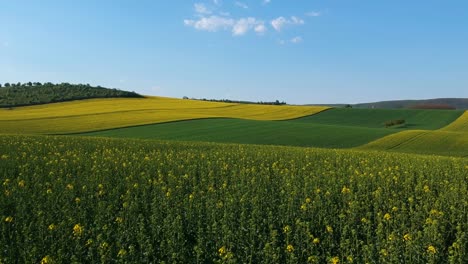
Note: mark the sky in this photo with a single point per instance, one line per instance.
(298, 51)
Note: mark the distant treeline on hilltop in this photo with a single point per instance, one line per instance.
(34, 93)
(277, 102)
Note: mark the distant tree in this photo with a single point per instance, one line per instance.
(0, 85)
(37, 84)
(18, 84)
(185, 97)
(29, 84)
(348, 106)
(7, 84)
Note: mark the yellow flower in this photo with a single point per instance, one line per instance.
(364, 220)
(222, 250)
(286, 229)
(316, 240)
(49, 191)
(52, 227)
(307, 200)
(77, 200)
(303, 207)
(9, 219)
(329, 229)
(69, 187)
(407, 237)
(122, 253)
(387, 216)
(394, 209)
(431, 249)
(78, 230)
(426, 188)
(345, 190)
(335, 260)
(21, 183)
(46, 260)
(290, 248)
(118, 220)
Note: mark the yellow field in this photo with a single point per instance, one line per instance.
(99, 114)
(423, 141)
(461, 124)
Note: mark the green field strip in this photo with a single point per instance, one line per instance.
(437, 142)
(375, 118)
(253, 132)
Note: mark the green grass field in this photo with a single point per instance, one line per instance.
(253, 132)
(375, 118)
(334, 128)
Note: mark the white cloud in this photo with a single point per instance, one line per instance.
(201, 9)
(238, 27)
(266, 2)
(241, 5)
(313, 14)
(297, 21)
(280, 22)
(296, 40)
(243, 25)
(211, 23)
(260, 28)
(217, 2)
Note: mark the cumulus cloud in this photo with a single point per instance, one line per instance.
(238, 27)
(201, 9)
(241, 5)
(313, 14)
(280, 22)
(243, 25)
(211, 23)
(296, 40)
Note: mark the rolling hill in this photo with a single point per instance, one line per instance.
(14, 95)
(101, 114)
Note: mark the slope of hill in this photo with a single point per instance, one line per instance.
(253, 132)
(333, 128)
(100, 114)
(450, 140)
(375, 118)
(37, 93)
(457, 103)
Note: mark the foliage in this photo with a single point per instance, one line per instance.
(14, 95)
(76, 200)
(100, 114)
(394, 122)
(277, 102)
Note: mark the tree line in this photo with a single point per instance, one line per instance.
(33, 93)
(277, 102)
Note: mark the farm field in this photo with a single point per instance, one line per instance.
(253, 132)
(100, 114)
(374, 118)
(451, 140)
(140, 201)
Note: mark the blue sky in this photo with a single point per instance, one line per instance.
(299, 51)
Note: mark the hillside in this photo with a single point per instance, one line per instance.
(14, 95)
(101, 114)
(333, 128)
(456, 103)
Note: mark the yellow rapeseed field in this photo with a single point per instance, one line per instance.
(460, 125)
(99, 114)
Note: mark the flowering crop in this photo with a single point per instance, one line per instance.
(91, 200)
